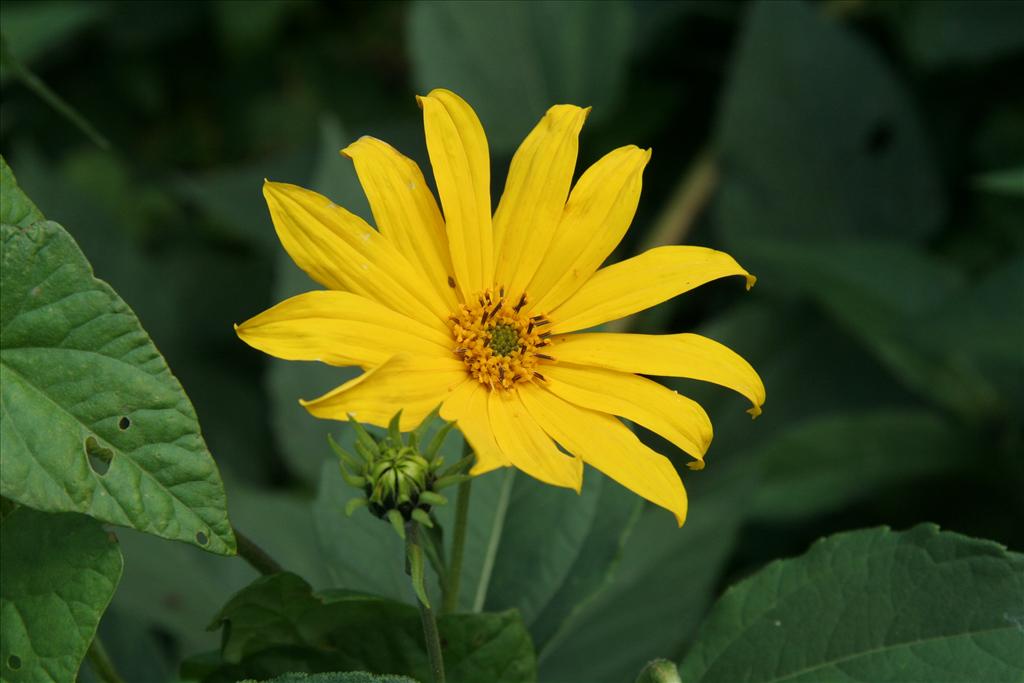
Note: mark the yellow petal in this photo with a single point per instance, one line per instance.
(670, 355)
(597, 215)
(413, 384)
(340, 328)
(641, 282)
(462, 170)
(607, 444)
(467, 406)
(404, 210)
(678, 419)
(535, 194)
(340, 251)
(526, 444)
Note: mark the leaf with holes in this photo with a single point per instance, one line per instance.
(92, 419)
(818, 140)
(59, 575)
(871, 605)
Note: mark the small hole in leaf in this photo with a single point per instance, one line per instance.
(201, 538)
(124, 423)
(14, 661)
(879, 138)
(98, 456)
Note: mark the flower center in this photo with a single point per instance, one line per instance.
(504, 339)
(497, 340)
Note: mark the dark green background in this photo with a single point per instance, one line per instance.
(852, 144)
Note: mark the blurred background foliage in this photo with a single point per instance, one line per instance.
(864, 159)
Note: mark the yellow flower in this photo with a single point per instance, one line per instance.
(483, 314)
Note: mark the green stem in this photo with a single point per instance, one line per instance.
(430, 633)
(100, 662)
(33, 83)
(500, 509)
(451, 592)
(256, 556)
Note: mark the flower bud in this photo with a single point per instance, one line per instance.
(399, 482)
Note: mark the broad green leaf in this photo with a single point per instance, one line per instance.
(664, 582)
(817, 139)
(188, 583)
(884, 294)
(593, 569)
(188, 318)
(15, 208)
(529, 568)
(137, 651)
(92, 419)
(981, 328)
(338, 631)
(871, 605)
(336, 677)
(511, 61)
(824, 464)
(60, 571)
(950, 33)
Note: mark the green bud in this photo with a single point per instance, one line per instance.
(659, 671)
(399, 482)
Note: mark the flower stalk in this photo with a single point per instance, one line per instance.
(454, 577)
(414, 567)
(101, 663)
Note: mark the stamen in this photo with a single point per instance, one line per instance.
(496, 340)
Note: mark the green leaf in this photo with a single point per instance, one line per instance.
(817, 139)
(511, 61)
(885, 294)
(187, 582)
(338, 630)
(60, 571)
(593, 569)
(92, 419)
(1009, 182)
(529, 568)
(15, 208)
(871, 605)
(949, 33)
(826, 463)
(335, 677)
(665, 580)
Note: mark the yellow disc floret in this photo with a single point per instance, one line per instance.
(498, 340)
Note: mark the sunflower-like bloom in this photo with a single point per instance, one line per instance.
(484, 314)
